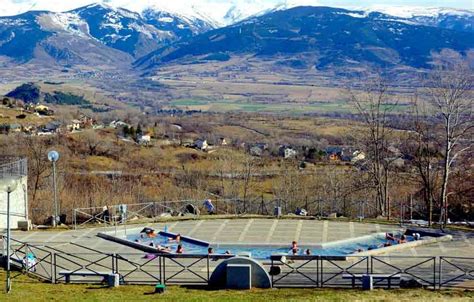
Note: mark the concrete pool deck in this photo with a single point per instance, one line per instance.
(254, 230)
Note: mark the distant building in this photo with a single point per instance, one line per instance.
(74, 125)
(201, 144)
(52, 127)
(258, 149)
(43, 110)
(357, 156)
(287, 152)
(223, 141)
(118, 124)
(144, 139)
(15, 128)
(334, 153)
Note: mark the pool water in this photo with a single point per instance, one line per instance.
(264, 252)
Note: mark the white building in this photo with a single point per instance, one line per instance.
(201, 144)
(14, 171)
(144, 139)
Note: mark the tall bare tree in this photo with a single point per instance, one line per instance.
(373, 103)
(423, 145)
(450, 91)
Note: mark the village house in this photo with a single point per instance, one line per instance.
(87, 122)
(201, 144)
(258, 149)
(287, 152)
(43, 110)
(118, 124)
(144, 139)
(51, 128)
(357, 156)
(223, 141)
(74, 125)
(334, 153)
(15, 128)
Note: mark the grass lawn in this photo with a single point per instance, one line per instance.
(25, 289)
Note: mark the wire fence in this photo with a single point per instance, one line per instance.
(53, 265)
(13, 167)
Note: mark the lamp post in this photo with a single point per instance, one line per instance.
(53, 156)
(8, 185)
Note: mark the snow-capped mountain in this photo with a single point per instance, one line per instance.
(122, 29)
(318, 37)
(450, 18)
(63, 36)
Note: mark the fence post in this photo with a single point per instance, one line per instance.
(321, 268)
(53, 267)
(208, 270)
(371, 264)
(440, 271)
(434, 272)
(114, 270)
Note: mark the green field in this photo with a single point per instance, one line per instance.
(26, 289)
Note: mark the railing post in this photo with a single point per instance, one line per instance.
(114, 269)
(271, 267)
(371, 264)
(434, 272)
(440, 271)
(164, 270)
(53, 267)
(208, 270)
(368, 265)
(322, 271)
(318, 280)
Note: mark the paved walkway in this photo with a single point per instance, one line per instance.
(259, 231)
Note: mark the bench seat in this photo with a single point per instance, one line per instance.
(388, 277)
(111, 278)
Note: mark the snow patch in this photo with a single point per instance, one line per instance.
(166, 19)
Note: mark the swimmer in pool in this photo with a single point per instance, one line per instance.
(294, 247)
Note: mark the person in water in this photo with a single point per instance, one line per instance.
(403, 239)
(294, 247)
(179, 249)
(308, 252)
(210, 250)
(176, 238)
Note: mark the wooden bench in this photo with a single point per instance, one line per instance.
(379, 277)
(112, 279)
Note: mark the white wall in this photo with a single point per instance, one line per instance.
(18, 205)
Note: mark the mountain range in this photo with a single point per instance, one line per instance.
(299, 37)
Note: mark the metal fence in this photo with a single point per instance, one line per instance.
(13, 168)
(294, 271)
(82, 217)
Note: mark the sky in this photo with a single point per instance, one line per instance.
(13, 7)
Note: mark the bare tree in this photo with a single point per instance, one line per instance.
(372, 102)
(423, 145)
(450, 92)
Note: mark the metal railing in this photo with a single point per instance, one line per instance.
(14, 168)
(293, 271)
(81, 217)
